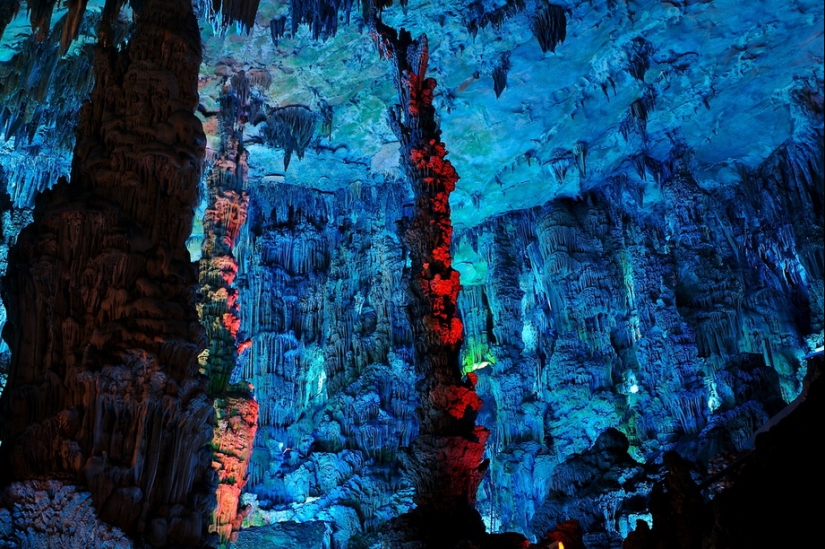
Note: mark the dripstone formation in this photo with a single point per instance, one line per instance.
(637, 228)
(445, 462)
(104, 392)
(235, 408)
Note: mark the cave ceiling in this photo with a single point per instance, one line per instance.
(704, 74)
(714, 72)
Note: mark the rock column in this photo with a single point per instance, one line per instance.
(104, 390)
(235, 408)
(444, 462)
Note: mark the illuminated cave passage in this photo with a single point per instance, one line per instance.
(250, 303)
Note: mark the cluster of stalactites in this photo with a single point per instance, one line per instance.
(290, 128)
(320, 15)
(40, 16)
(225, 13)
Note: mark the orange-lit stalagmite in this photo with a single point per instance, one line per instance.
(236, 412)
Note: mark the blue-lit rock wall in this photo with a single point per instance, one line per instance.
(675, 314)
(330, 359)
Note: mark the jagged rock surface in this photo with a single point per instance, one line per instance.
(50, 514)
(331, 359)
(592, 486)
(445, 461)
(593, 297)
(781, 468)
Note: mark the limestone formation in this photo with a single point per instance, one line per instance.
(638, 231)
(104, 389)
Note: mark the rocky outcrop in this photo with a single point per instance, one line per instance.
(285, 535)
(236, 421)
(592, 486)
(330, 359)
(771, 485)
(770, 494)
(104, 389)
(50, 514)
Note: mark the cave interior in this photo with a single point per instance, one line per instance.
(470, 274)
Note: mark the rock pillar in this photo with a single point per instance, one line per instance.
(104, 390)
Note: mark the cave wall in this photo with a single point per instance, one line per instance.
(331, 357)
(674, 313)
(679, 319)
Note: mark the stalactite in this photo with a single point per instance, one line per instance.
(500, 74)
(635, 121)
(34, 111)
(277, 28)
(40, 14)
(8, 10)
(290, 128)
(477, 18)
(638, 53)
(550, 26)
(74, 18)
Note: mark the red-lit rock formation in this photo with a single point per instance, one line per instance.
(225, 215)
(104, 389)
(445, 461)
(235, 424)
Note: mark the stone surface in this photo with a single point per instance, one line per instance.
(103, 383)
(285, 535)
(50, 514)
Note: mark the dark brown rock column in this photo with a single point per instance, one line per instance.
(445, 461)
(104, 389)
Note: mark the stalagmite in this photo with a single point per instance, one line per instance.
(236, 412)
(444, 462)
(104, 389)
